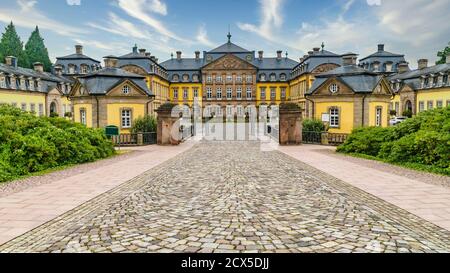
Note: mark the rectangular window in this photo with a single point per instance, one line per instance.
(240, 110)
(229, 93)
(239, 78)
(379, 117)
(229, 110)
(218, 78)
(126, 118)
(229, 78)
(262, 94)
(219, 93)
(239, 93)
(421, 106)
(283, 92)
(185, 93)
(41, 109)
(273, 93)
(445, 80)
(249, 79)
(32, 107)
(209, 79)
(430, 105)
(24, 107)
(334, 117)
(208, 92)
(439, 104)
(83, 116)
(175, 93)
(249, 93)
(195, 92)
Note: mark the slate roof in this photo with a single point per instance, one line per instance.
(229, 47)
(78, 57)
(183, 64)
(357, 78)
(102, 81)
(318, 58)
(275, 63)
(48, 81)
(422, 72)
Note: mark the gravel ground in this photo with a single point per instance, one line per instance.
(425, 177)
(8, 188)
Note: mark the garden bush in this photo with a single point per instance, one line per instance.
(424, 140)
(31, 144)
(146, 124)
(313, 125)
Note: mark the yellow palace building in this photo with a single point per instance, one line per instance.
(327, 86)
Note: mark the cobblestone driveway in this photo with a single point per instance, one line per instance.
(231, 197)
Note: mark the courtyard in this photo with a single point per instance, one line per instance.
(215, 197)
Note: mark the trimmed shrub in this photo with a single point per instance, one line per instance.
(424, 139)
(313, 125)
(146, 124)
(31, 144)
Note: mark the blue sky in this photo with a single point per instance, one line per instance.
(416, 28)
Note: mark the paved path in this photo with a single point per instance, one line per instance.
(430, 202)
(232, 197)
(20, 212)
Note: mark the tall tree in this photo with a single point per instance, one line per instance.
(11, 45)
(36, 51)
(443, 55)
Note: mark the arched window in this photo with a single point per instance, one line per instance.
(283, 77)
(185, 77)
(195, 77)
(175, 78)
(72, 69)
(262, 77)
(273, 77)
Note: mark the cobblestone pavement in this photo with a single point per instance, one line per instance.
(231, 197)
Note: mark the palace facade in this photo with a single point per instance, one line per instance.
(328, 86)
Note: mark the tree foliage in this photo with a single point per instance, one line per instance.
(145, 124)
(11, 45)
(36, 51)
(443, 55)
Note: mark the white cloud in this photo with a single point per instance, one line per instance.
(28, 16)
(73, 2)
(374, 2)
(271, 19)
(119, 26)
(141, 9)
(111, 47)
(202, 37)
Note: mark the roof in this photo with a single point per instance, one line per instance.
(358, 79)
(275, 63)
(183, 64)
(102, 81)
(318, 58)
(77, 57)
(421, 72)
(381, 53)
(229, 47)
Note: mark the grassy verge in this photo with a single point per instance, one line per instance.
(408, 165)
(61, 168)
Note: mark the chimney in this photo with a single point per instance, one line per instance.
(301, 59)
(310, 53)
(179, 55)
(58, 70)
(197, 55)
(142, 51)
(403, 67)
(38, 67)
(260, 55)
(279, 52)
(148, 54)
(380, 47)
(316, 49)
(349, 59)
(11, 61)
(111, 62)
(79, 49)
(135, 49)
(422, 63)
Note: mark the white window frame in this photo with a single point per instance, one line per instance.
(185, 93)
(125, 118)
(334, 117)
(334, 88)
(219, 93)
(262, 93)
(229, 93)
(83, 116)
(379, 116)
(249, 94)
(239, 93)
(273, 93)
(126, 89)
(195, 92)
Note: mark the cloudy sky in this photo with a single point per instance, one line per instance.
(416, 28)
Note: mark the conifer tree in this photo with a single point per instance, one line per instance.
(11, 45)
(36, 51)
(443, 55)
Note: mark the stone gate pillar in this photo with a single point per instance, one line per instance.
(168, 126)
(290, 124)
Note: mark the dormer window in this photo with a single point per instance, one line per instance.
(185, 77)
(84, 69)
(71, 69)
(445, 79)
(283, 77)
(435, 81)
(273, 77)
(175, 78)
(2, 81)
(389, 67)
(376, 66)
(426, 82)
(126, 89)
(262, 77)
(195, 78)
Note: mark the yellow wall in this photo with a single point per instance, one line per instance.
(384, 113)
(77, 117)
(268, 99)
(190, 87)
(396, 100)
(346, 115)
(433, 95)
(114, 114)
(28, 98)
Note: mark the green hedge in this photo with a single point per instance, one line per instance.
(424, 139)
(313, 125)
(31, 144)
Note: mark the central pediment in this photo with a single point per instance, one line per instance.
(229, 62)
